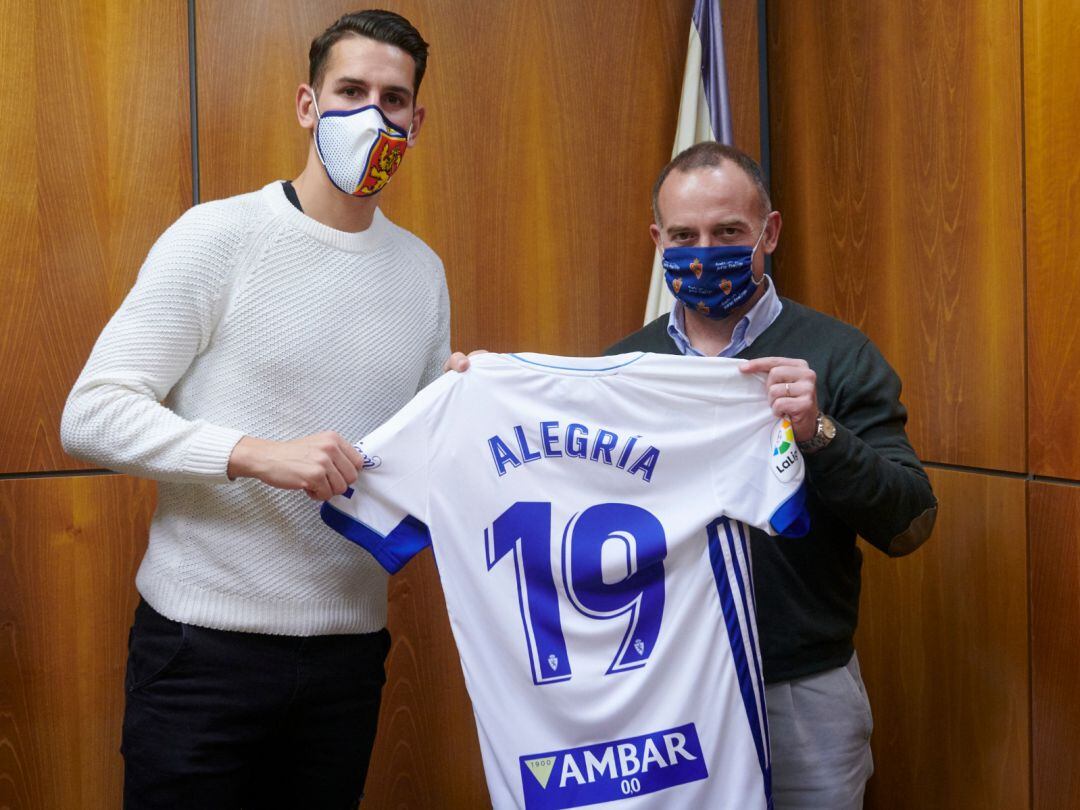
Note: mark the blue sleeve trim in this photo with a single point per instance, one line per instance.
(393, 550)
(791, 518)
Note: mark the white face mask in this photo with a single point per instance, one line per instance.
(360, 149)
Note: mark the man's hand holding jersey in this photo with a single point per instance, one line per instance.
(459, 361)
(323, 464)
(792, 388)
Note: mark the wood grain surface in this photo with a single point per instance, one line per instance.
(97, 156)
(426, 753)
(943, 643)
(1055, 627)
(740, 20)
(69, 548)
(897, 164)
(1052, 163)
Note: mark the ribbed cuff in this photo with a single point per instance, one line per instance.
(208, 454)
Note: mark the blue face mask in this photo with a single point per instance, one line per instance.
(712, 280)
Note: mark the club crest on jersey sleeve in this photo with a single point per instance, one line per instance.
(370, 461)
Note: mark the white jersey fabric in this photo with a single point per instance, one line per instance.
(587, 517)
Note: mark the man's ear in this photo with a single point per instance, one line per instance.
(305, 106)
(654, 232)
(417, 122)
(772, 233)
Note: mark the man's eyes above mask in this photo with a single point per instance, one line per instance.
(729, 232)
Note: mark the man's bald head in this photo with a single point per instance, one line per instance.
(708, 154)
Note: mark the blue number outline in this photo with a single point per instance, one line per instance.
(618, 663)
(524, 605)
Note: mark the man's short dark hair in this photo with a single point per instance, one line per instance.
(376, 24)
(707, 154)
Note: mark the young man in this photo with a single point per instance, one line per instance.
(261, 329)
(714, 223)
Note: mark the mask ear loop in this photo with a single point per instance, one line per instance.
(660, 248)
(315, 131)
(761, 280)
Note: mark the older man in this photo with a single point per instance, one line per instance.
(714, 224)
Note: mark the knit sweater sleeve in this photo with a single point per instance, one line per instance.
(114, 415)
(869, 474)
(441, 345)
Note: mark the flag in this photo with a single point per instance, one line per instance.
(704, 114)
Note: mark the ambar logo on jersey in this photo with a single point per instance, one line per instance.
(608, 771)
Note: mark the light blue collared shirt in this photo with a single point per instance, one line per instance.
(753, 323)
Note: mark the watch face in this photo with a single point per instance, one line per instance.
(827, 429)
(825, 433)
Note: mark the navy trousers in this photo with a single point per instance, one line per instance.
(218, 719)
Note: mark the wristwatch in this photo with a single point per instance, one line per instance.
(824, 433)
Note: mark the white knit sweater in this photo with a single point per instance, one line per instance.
(250, 318)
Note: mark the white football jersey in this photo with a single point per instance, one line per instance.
(587, 518)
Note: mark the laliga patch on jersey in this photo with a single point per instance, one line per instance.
(609, 771)
(786, 461)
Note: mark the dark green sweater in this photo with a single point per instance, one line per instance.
(868, 481)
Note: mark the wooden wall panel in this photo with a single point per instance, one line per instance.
(1055, 627)
(19, 244)
(69, 548)
(740, 18)
(97, 151)
(944, 650)
(1052, 161)
(896, 162)
(427, 753)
